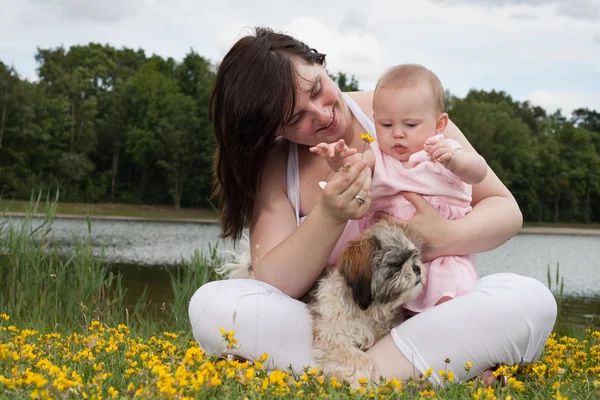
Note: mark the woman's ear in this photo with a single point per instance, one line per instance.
(442, 122)
(355, 266)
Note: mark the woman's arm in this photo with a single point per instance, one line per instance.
(495, 217)
(291, 258)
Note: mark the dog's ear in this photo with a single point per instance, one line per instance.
(355, 266)
(414, 236)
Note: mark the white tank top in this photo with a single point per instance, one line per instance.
(293, 178)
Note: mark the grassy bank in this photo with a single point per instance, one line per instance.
(161, 212)
(560, 225)
(66, 331)
(114, 209)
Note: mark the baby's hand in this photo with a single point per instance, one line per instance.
(439, 150)
(333, 151)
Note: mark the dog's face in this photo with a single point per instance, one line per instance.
(383, 265)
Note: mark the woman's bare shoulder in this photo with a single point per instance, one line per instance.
(364, 101)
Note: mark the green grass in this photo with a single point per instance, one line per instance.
(44, 289)
(67, 331)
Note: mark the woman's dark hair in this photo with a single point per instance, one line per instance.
(253, 95)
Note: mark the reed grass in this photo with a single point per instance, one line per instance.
(48, 289)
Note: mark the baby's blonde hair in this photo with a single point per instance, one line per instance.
(407, 75)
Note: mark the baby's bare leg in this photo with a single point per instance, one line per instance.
(443, 300)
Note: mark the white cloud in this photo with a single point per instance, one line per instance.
(524, 16)
(518, 46)
(565, 100)
(577, 9)
(81, 11)
(347, 50)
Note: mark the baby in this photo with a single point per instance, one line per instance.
(411, 154)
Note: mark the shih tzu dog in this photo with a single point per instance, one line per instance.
(357, 303)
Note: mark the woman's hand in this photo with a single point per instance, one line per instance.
(433, 227)
(348, 193)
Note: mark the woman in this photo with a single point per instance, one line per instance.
(271, 101)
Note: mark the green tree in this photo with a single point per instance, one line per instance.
(113, 115)
(590, 120)
(345, 84)
(196, 76)
(504, 140)
(165, 130)
(17, 99)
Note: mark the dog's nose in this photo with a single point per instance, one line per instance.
(416, 269)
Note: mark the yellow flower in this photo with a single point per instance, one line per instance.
(229, 338)
(518, 385)
(34, 378)
(396, 384)
(112, 392)
(366, 137)
(556, 385)
(560, 397)
(468, 366)
(487, 394)
(96, 326)
(215, 381)
(140, 391)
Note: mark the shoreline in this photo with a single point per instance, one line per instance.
(544, 230)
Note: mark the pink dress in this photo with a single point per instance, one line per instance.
(450, 276)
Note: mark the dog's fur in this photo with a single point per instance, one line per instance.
(356, 303)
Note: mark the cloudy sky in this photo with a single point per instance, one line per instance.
(545, 51)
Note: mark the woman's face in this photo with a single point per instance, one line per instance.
(320, 114)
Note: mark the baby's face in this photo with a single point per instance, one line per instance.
(404, 119)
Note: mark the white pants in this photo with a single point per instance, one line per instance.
(505, 318)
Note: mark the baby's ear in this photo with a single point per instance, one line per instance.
(442, 123)
(414, 236)
(355, 266)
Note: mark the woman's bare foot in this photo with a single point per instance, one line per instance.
(488, 378)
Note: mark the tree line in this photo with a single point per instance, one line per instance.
(106, 124)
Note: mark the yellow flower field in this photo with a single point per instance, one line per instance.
(106, 362)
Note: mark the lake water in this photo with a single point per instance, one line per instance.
(139, 245)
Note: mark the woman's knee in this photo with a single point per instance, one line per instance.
(203, 297)
(533, 297)
(201, 303)
(529, 306)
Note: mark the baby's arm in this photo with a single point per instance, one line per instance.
(467, 165)
(337, 154)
